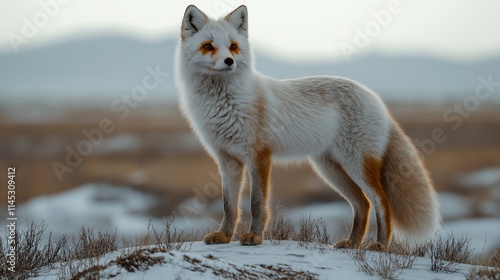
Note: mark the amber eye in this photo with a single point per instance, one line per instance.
(208, 47)
(233, 47)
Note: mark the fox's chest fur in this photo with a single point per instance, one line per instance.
(221, 116)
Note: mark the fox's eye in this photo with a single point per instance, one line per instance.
(208, 47)
(233, 47)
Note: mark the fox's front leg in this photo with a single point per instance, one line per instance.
(259, 171)
(231, 170)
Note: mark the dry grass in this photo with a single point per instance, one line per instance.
(494, 259)
(385, 266)
(169, 237)
(281, 228)
(405, 257)
(446, 254)
(313, 234)
(86, 249)
(34, 250)
(483, 273)
(488, 268)
(89, 244)
(309, 232)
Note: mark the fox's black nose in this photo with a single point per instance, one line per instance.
(229, 61)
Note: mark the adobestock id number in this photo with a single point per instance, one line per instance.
(11, 192)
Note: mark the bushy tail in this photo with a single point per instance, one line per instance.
(411, 196)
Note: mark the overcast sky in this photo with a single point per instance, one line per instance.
(451, 29)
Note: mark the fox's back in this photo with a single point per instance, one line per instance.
(308, 113)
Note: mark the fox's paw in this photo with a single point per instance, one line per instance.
(250, 239)
(216, 237)
(345, 244)
(376, 246)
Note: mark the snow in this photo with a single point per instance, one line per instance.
(234, 261)
(96, 205)
(483, 178)
(454, 206)
(490, 208)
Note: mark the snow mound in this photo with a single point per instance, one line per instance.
(287, 260)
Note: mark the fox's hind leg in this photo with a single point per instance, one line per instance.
(231, 170)
(333, 173)
(366, 172)
(372, 172)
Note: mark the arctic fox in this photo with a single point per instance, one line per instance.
(245, 120)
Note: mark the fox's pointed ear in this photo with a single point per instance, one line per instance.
(239, 19)
(193, 21)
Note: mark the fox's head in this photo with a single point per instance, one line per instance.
(215, 47)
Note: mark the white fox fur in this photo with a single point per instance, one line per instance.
(245, 119)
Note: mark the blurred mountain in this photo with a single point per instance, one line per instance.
(100, 69)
